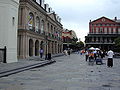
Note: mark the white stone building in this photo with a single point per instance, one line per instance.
(8, 28)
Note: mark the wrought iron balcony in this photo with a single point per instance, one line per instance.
(97, 42)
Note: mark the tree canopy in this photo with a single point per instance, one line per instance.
(117, 41)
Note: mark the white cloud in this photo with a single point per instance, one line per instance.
(76, 14)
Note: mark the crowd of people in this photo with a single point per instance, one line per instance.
(94, 54)
(91, 55)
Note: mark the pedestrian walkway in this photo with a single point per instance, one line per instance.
(68, 73)
(25, 64)
(22, 65)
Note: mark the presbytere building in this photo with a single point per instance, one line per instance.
(39, 27)
(102, 33)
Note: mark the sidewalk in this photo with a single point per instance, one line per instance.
(22, 65)
(25, 64)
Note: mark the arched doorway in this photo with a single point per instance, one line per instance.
(36, 48)
(30, 47)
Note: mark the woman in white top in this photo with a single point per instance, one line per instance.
(110, 58)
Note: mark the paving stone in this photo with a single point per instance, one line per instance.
(68, 73)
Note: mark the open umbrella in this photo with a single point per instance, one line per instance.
(97, 49)
(92, 48)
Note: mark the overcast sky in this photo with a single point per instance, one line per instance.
(76, 14)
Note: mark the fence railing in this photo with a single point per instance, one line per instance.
(3, 55)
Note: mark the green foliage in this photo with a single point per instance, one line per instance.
(117, 41)
(75, 39)
(117, 45)
(80, 44)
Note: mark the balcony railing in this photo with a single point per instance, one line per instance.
(97, 42)
(105, 33)
(42, 33)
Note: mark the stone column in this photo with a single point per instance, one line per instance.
(27, 46)
(33, 47)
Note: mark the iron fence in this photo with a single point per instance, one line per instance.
(3, 55)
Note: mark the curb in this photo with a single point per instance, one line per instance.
(20, 69)
(58, 55)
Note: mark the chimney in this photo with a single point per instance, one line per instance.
(50, 10)
(115, 18)
(42, 3)
(60, 20)
(46, 7)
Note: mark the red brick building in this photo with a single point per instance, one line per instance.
(102, 33)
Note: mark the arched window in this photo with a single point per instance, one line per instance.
(37, 24)
(54, 30)
(42, 26)
(30, 21)
(47, 27)
(51, 29)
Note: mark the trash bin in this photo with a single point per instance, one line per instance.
(49, 56)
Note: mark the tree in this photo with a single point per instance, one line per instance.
(117, 45)
(80, 45)
(117, 41)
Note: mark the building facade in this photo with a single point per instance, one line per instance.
(8, 29)
(102, 33)
(69, 39)
(38, 27)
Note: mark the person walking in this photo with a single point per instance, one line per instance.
(65, 52)
(110, 58)
(91, 56)
(68, 52)
(86, 55)
(95, 54)
(41, 53)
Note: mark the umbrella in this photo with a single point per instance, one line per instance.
(97, 49)
(92, 48)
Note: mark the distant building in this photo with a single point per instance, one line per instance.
(69, 39)
(102, 33)
(38, 27)
(8, 29)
